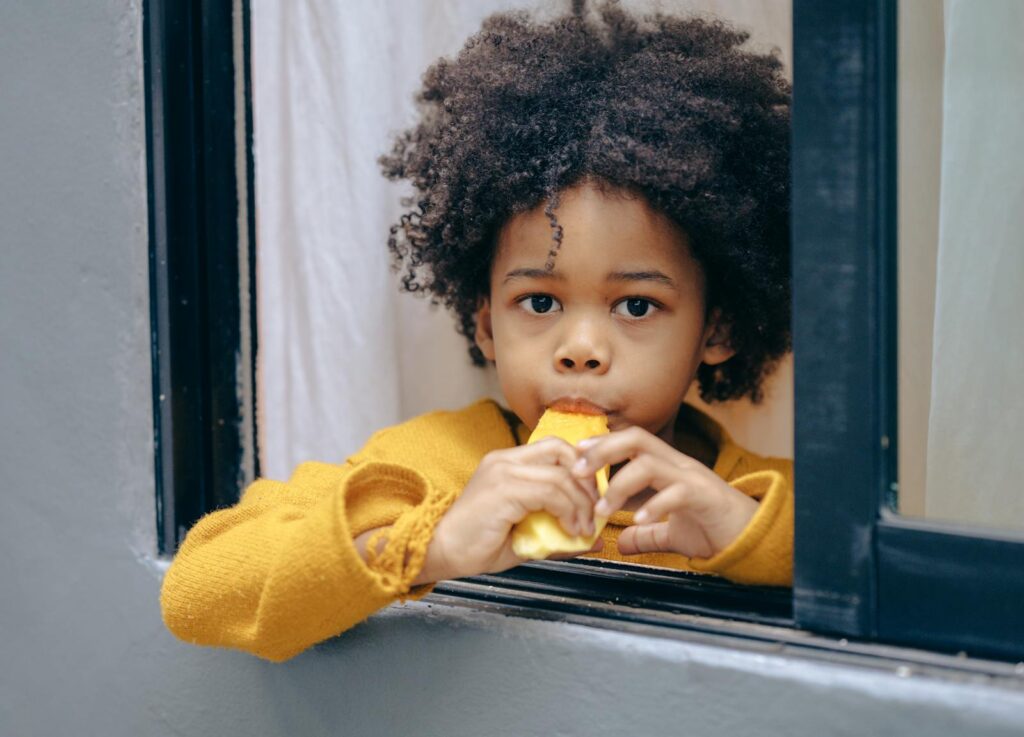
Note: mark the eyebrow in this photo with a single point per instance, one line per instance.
(617, 276)
(655, 276)
(533, 274)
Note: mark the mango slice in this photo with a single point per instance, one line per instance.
(539, 535)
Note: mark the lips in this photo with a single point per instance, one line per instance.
(577, 405)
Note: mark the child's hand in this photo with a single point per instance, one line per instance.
(692, 512)
(474, 535)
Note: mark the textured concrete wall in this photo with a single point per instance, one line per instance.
(82, 647)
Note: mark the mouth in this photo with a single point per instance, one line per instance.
(578, 405)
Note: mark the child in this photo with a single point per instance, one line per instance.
(604, 206)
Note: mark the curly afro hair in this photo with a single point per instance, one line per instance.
(671, 109)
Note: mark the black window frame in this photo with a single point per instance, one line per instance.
(861, 571)
(202, 258)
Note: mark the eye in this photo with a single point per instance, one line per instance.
(634, 307)
(539, 304)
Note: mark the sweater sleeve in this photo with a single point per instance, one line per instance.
(763, 553)
(279, 571)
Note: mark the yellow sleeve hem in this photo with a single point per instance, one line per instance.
(405, 553)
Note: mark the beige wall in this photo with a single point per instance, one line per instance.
(921, 48)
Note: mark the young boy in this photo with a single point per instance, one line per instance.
(604, 207)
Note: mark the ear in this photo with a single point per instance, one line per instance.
(717, 347)
(484, 333)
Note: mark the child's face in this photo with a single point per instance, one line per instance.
(617, 327)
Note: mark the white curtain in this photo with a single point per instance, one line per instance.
(976, 423)
(341, 351)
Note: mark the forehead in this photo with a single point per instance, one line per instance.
(598, 230)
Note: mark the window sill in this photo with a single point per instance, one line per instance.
(492, 594)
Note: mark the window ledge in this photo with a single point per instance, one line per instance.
(738, 636)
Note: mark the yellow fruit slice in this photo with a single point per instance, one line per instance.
(539, 535)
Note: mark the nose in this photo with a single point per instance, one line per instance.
(582, 348)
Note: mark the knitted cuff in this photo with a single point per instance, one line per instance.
(405, 552)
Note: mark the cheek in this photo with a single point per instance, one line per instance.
(507, 349)
(515, 371)
(685, 341)
(517, 364)
(671, 343)
(667, 362)
(515, 377)
(515, 339)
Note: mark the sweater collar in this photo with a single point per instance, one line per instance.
(728, 452)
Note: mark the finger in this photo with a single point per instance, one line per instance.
(550, 450)
(527, 499)
(641, 473)
(587, 484)
(679, 497)
(652, 538)
(526, 496)
(553, 489)
(555, 450)
(624, 445)
(581, 495)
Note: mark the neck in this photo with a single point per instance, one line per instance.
(688, 439)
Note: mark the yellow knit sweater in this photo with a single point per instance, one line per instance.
(279, 571)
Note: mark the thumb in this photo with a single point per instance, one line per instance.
(652, 538)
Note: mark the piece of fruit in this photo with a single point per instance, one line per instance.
(539, 535)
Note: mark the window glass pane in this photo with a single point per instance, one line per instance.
(961, 264)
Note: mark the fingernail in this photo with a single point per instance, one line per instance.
(642, 516)
(603, 508)
(580, 467)
(586, 443)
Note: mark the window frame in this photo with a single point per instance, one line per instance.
(861, 571)
(944, 586)
(202, 260)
